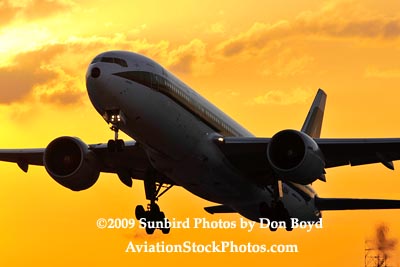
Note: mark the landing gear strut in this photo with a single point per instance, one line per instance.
(277, 212)
(115, 117)
(154, 217)
(115, 145)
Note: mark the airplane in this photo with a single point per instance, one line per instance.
(181, 139)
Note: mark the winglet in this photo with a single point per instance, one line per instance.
(313, 123)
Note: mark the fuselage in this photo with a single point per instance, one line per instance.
(177, 128)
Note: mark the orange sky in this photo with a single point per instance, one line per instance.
(259, 61)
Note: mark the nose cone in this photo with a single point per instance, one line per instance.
(94, 78)
(103, 83)
(96, 85)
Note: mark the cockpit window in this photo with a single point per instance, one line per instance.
(115, 60)
(121, 62)
(107, 59)
(96, 59)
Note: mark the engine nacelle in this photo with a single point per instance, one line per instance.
(70, 163)
(296, 157)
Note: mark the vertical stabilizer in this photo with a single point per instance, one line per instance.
(313, 123)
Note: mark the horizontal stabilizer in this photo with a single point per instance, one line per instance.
(219, 209)
(355, 204)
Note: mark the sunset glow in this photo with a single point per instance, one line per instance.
(261, 62)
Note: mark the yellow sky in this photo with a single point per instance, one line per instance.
(259, 61)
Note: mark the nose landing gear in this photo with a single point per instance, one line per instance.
(153, 217)
(115, 145)
(116, 118)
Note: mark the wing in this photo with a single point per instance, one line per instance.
(23, 157)
(131, 162)
(339, 152)
(248, 154)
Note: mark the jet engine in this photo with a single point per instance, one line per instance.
(70, 163)
(295, 156)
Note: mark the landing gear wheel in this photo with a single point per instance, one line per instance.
(111, 145)
(272, 229)
(155, 209)
(115, 145)
(149, 230)
(120, 145)
(268, 212)
(289, 226)
(140, 213)
(283, 215)
(165, 230)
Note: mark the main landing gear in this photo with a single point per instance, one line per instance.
(153, 216)
(277, 211)
(115, 117)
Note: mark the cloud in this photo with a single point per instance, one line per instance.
(344, 19)
(65, 90)
(282, 97)
(37, 9)
(18, 79)
(17, 83)
(286, 62)
(7, 12)
(34, 72)
(373, 72)
(217, 27)
(190, 58)
(54, 73)
(31, 10)
(259, 36)
(62, 97)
